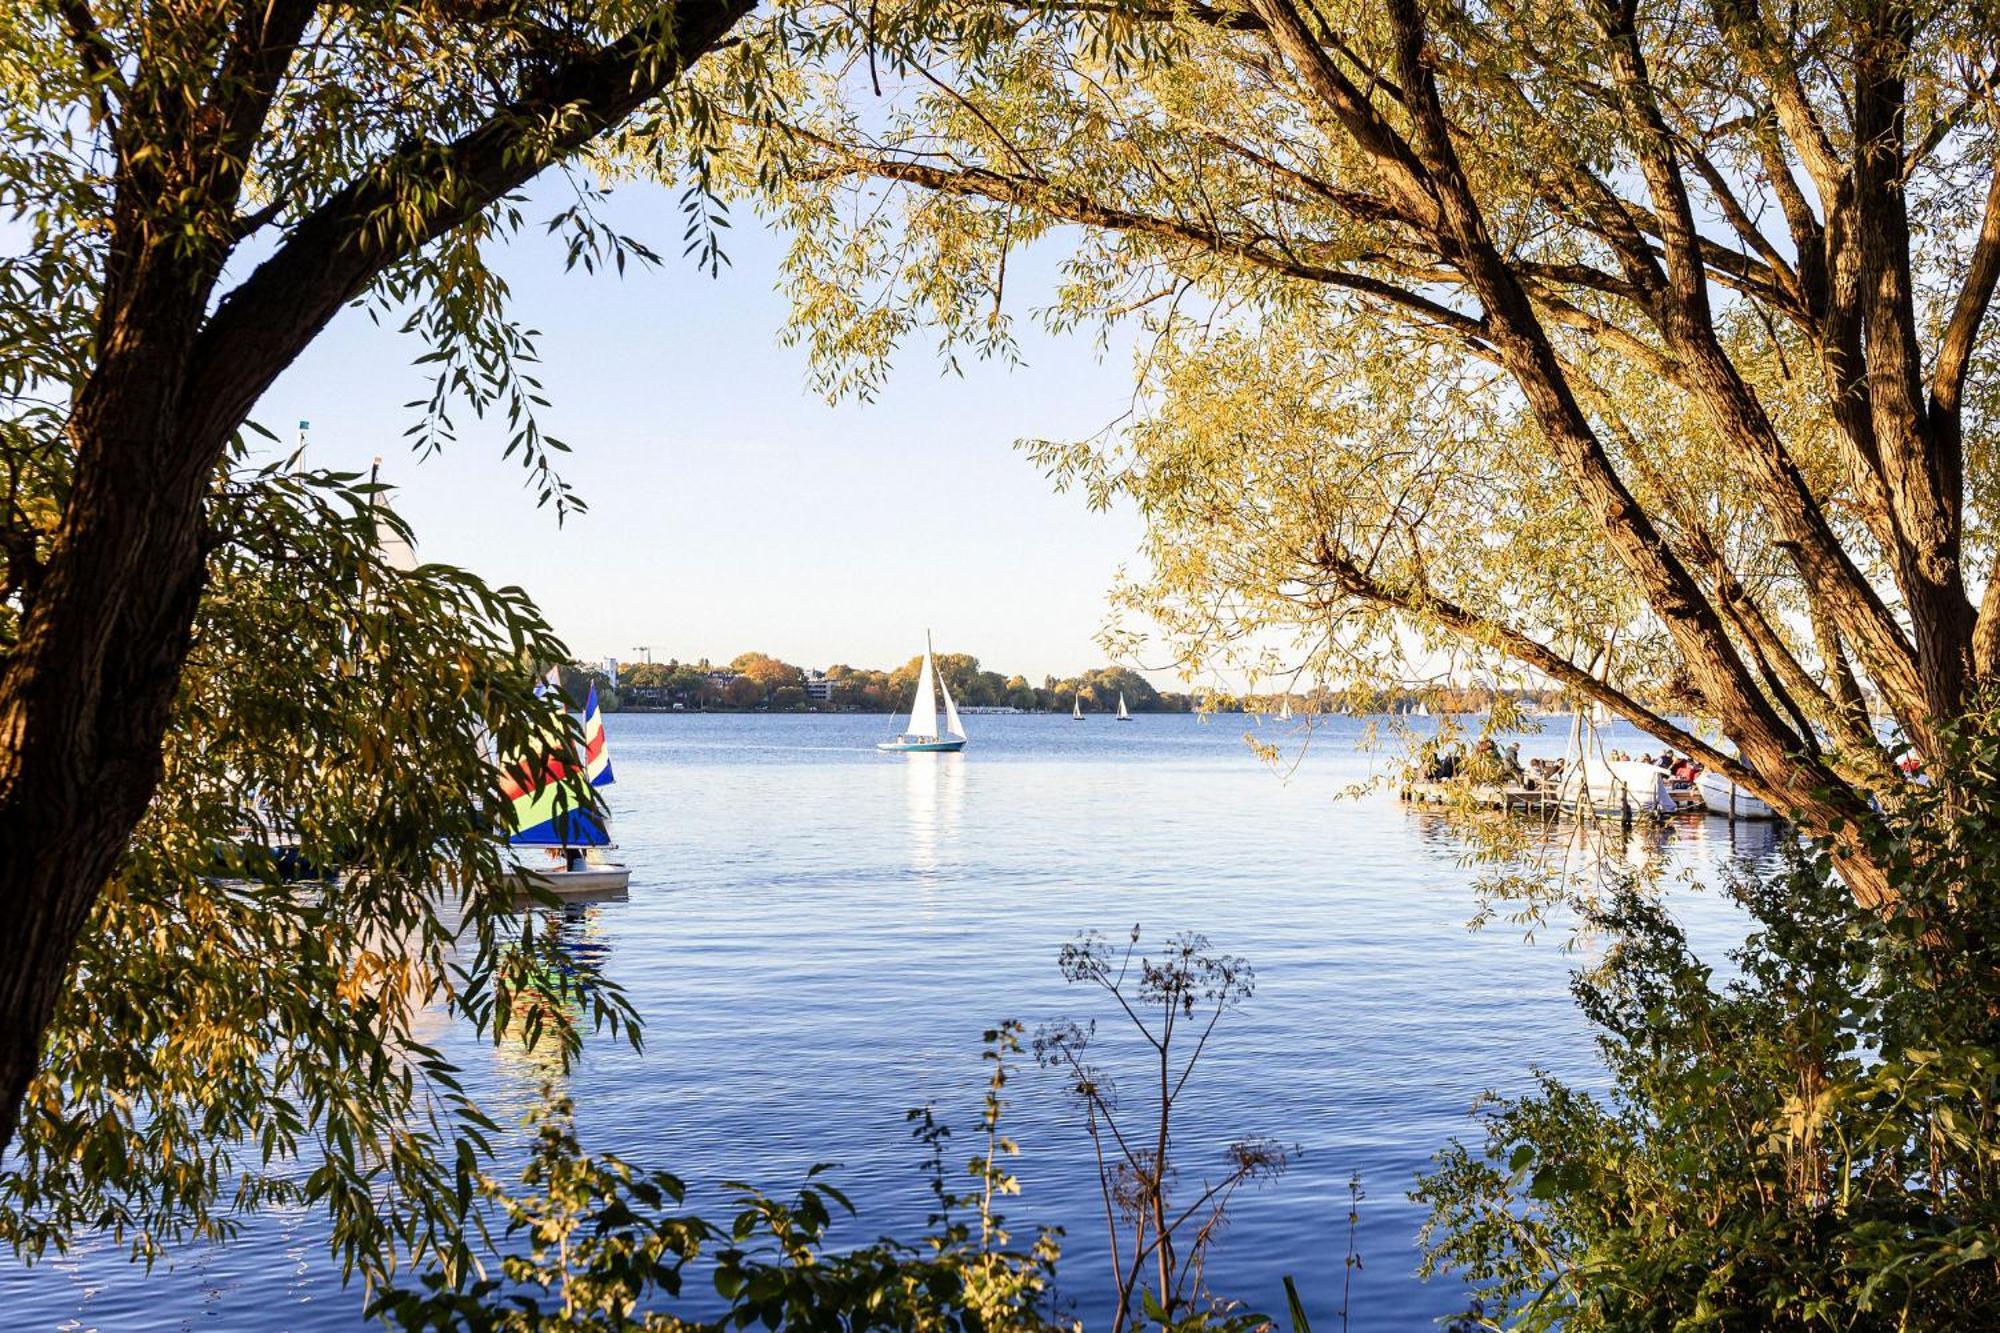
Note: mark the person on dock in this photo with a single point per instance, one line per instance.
(1441, 763)
(1489, 765)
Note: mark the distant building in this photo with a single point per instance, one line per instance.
(611, 670)
(819, 689)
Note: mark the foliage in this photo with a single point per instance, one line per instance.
(1809, 1141)
(243, 1038)
(1159, 1238)
(605, 1243)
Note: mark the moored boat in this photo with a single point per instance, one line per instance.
(1623, 788)
(1723, 797)
(921, 735)
(575, 844)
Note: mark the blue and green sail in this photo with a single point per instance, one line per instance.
(544, 800)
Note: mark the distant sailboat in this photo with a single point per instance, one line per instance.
(1285, 713)
(1076, 706)
(1123, 716)
(922, 735)
(546, 816)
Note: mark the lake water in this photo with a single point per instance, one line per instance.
(818, 933)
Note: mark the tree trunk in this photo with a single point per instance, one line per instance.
(88, 689)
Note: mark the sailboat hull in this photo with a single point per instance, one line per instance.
(922, 745)
(596, 882)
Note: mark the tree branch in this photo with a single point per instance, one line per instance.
(100, 60)
(1954, 355)
(1349, 579)
(421, 192)
(1053, 202)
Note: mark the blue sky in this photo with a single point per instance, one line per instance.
(731, 508)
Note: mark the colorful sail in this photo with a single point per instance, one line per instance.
(549, 817)
(546, 810)
(596, 753)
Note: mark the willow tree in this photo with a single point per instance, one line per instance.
(195, 190)
(242, 1033)
(1638, 346)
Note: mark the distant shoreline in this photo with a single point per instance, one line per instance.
(891, 712)
(1034, 712)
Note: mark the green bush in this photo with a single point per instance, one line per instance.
(593, 1243)
(1809, 1142)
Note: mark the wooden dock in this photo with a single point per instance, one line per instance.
(1485, 796)
(1544, 801)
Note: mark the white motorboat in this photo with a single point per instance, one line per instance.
(1723, 797)
(1621, 788)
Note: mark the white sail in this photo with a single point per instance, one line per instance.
(1122, 714)
(1285, 713)
(391, 546)
(1076, 706)
(923, 713)
(951, 722)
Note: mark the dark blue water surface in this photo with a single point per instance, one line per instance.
(818, 933)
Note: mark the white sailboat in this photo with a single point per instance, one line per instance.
(1123, 716)
(922, 736)
(1076, 706)
(1285, 713)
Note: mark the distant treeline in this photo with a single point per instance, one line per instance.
(758, 682)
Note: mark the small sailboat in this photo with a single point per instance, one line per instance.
(921, 736)
(1076, 707)
(1285, 713)
(1123, 716)
(575, 842)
